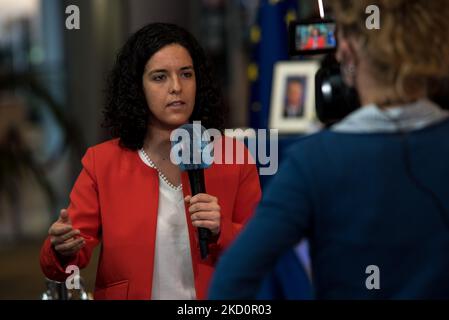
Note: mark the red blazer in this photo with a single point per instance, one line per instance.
(319, 45)
(115, 201)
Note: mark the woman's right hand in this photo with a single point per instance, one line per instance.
(64, 239)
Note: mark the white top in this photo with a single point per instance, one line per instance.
(409, 117)
(173, 271)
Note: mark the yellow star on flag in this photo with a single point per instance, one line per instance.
(255, 34)
(253, 72)
(290, 16)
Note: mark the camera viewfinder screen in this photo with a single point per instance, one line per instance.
(315, 36)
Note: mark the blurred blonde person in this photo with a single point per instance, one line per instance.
(371, 193)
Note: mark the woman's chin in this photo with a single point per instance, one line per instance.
(175, 123)
(171, 120)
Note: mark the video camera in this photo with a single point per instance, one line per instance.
(334, 99)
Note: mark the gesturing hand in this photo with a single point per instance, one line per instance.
(65, 240)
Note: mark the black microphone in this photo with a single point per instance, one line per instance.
(191, 140)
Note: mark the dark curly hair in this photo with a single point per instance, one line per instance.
(126, 112)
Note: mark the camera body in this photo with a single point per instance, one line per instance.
(334, 99)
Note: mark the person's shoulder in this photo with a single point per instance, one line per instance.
(113, 144)
(108, 156)
(311, 139)
(108, 149)
(312, 144)
(441, 127)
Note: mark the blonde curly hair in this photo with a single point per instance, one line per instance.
(410, 51)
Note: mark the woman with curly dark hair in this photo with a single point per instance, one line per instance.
(132, 198)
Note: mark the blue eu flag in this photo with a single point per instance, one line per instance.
(269, 37)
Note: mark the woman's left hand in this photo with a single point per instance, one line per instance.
(205, 212)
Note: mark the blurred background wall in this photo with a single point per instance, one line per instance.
(51, 99)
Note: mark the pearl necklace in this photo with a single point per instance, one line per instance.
(161, 175)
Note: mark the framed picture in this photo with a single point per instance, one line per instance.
(293, 97)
